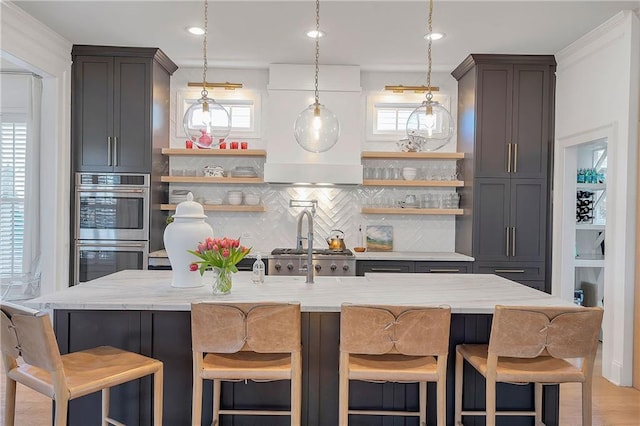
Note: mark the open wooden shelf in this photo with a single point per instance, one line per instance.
(216, 151)
(414, 155)
(431, 183)
(220, 208)
(204, 179)
(395, 210)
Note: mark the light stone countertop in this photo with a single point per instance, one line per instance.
(151, 290)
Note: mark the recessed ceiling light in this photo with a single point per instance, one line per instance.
(434, 36)
(195, 30)
(315, 34)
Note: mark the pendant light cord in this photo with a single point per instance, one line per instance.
(317, 51)
(429, 94)
(205, 93)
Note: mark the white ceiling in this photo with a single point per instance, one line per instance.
(377, 35)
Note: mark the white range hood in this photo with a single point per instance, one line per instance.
(291, 89)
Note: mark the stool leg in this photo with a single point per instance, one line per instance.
(491, 401)
(296, 389)
(423, 403)
(196, 394)
(343, 393)
(158, 383)
(458, 389)
(61, 407)
(586, 401)
(216, 401)
(105, 406)
(9, 401)
(538, 398)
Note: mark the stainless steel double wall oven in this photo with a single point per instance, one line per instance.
(112, 213)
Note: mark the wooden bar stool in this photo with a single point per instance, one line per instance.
(28, 334)
(400, 344)
(243, 341)
(531, 345)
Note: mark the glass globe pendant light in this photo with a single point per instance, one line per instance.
(206, 121)
(430, 125)
(316, 129)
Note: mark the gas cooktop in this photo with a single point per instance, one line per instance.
(321, 252)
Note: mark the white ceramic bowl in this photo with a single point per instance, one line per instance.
(235, 200)
(252, 199)
(409, 173)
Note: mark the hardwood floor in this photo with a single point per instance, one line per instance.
(612, 405)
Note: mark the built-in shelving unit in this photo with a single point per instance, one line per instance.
(211, 152)
(394, 210)
(220, 208)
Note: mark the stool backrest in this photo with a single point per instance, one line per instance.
(380, 329)
(229, 328)
(29, 334)
(528, 332)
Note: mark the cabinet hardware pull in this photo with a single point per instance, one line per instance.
(115, 150)
(509, 158)
(507, 239)
(509, 271)
(515, 158)
(436, 270)
(108, 150)
(386, 270)
(513, 241)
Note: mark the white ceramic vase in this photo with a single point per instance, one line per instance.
(187, 230)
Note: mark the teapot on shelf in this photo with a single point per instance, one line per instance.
(336, 240)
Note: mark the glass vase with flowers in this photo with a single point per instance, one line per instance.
(221, 254)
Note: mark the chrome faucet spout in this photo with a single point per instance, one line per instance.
(309, 239)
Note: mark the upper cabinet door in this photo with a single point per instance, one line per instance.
(93, 113)
(132, 114)
(494, 117)
(531, 116)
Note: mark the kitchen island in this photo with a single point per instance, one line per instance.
(140, 311)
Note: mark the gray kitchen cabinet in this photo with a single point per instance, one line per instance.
(393, 266)
(443, 267)
(513, 115)
(505, 130)
(531, 274)
(511, 219)
(120, 108)
(407, 266)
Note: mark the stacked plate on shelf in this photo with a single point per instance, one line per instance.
(243, 171)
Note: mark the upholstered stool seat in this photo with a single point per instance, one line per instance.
(533, 345)
(401, 344)
(29, 334)
(244, 341)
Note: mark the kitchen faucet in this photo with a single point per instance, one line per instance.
(309, 239)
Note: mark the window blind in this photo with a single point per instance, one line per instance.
(13, 150)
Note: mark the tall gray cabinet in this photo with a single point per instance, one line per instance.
(505, 129)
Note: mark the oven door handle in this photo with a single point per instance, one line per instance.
(113, 190)
(131, 244)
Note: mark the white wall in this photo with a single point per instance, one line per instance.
(339, 207)
(27, 42)
(597, 92)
